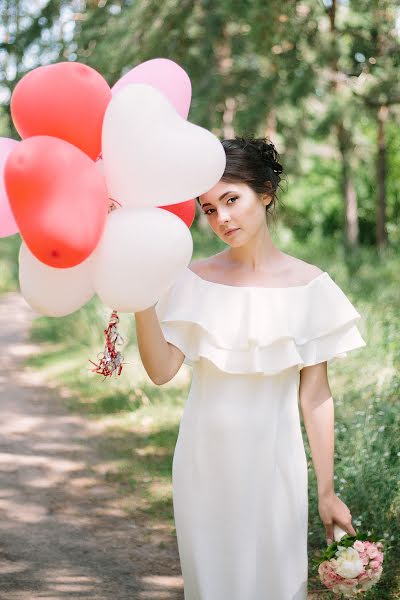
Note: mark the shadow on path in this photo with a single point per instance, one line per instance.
(63, 533)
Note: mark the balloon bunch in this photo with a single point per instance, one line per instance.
(87, 150)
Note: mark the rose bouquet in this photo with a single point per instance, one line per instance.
(351, 565)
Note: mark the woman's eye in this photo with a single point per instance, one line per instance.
(207, 212)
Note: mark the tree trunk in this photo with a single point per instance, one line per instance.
(348, 190)
(381, 232)
(228, 129)
(225, 62)
(345, 143)
(270, 126)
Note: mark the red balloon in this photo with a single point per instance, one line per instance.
(65, 100)
(59, 199)
(184, 210)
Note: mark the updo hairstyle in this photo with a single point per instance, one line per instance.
(253, 161)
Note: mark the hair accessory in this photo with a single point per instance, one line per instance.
(276, 167)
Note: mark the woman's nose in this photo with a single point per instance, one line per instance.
(223, 216)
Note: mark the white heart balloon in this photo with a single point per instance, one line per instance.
(100, 166)
(53, 292)
(152, 156)
(139, 256)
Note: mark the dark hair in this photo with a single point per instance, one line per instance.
(253, 161)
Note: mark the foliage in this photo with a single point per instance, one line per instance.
(310, 74)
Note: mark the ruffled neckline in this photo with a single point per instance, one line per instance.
(257, 329)
(206, 282)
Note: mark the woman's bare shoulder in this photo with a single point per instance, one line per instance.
(203, 266)
(301, 271)
(293, 271)
(197, 266)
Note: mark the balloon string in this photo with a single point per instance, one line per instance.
(111, 360)
(113, 203)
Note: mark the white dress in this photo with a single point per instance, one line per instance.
(239, 474)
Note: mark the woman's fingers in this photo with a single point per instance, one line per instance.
(329, 533)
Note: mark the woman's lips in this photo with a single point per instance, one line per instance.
(232, 231)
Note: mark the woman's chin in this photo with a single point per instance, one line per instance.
(233, 239)
(234, 243)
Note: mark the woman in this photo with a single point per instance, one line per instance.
(258, 326)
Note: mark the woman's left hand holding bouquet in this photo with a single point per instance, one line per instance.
(333, 510)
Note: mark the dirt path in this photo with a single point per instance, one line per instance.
(62, 532)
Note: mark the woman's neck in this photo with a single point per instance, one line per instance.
(258, 254)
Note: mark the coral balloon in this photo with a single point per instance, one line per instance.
(53, 292)
(140, 254)
(165, 75)
(184, 210)
(59, 200)
(8, 225)
(153, 157)
(65, 100)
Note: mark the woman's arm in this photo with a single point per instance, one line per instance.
(318, 415)
(161, 359)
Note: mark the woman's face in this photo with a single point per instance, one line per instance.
(234, 206)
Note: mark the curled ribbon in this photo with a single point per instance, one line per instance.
(110, 360)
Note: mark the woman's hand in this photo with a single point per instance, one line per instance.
(333, 510)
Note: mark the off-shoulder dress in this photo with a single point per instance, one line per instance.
(239, 472)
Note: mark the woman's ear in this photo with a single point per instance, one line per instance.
(267, 197)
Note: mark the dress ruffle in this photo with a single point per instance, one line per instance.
(257, 329)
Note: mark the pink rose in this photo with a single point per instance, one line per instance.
(374, 564)
(332, 575)
(359, 546)
(350, 582)
(324, 568)
(372, 551)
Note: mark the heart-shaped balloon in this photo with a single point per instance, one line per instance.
(59, 199)
(53, 292)
(184, 210)
(139, 256)
(65, 100)
(8, 225)
(165, 75)
(153, 157)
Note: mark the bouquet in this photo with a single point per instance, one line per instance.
(351, 565)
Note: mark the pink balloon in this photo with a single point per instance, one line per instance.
(165, 75)
(8, 225)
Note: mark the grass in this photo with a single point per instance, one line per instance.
(9, 248)
(141, 420)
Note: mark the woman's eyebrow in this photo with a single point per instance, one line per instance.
(219, 199)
